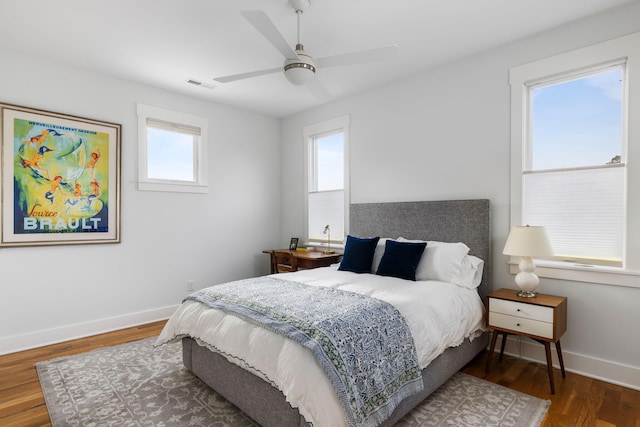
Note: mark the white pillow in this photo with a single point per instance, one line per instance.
(377, 255)
(440, 260)
(470, 272)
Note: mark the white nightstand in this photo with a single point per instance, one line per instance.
(543, 319)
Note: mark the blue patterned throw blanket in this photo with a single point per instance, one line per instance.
(363, 344)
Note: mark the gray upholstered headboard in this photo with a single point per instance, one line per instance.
(466, 221)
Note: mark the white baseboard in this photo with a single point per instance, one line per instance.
(45, 337)
(604, 370)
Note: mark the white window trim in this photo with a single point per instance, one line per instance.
(146, 184)
(627, 47)
(309, 132)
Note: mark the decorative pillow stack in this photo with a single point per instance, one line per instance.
(399, 259)
(416, 260)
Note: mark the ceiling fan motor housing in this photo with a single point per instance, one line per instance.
(299, 5)
(300, 71)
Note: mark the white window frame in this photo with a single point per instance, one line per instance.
(625, 48)
(152, 113)
(339, 124)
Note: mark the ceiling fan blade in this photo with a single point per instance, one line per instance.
(234, 77)
(319, 90)
(383, 53)
(265, 26)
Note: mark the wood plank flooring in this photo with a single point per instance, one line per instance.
(21, 400)
(579, 401)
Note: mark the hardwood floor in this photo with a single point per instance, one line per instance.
(21, 399)
(579, 401)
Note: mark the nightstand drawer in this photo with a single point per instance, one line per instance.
(519, 309)
(521, 325)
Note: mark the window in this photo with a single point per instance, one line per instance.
(574, 173)
(327, 187)
(572, 160)
(171, 151)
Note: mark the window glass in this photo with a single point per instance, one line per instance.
(170, 155)
(577, 122)
(330, 158)
(326, 208)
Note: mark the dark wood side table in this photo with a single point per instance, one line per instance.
(543, 318)
(307, 260)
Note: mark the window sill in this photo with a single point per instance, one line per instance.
(172, 187)
(583, 273)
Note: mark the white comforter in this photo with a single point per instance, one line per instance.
(440, 315)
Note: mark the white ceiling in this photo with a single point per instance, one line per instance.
(165, 42)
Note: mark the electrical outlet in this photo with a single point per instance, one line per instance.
(191, 285)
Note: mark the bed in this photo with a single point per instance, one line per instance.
(265, 399)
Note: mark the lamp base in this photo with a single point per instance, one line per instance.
(526, 279)
(328, 252)
(526, 294)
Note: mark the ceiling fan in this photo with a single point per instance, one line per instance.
(300, 67)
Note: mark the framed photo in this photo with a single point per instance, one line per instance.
(293, 245)
(59, 178)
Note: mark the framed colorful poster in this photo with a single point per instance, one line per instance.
(60, 178)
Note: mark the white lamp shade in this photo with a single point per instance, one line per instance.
(531, 241)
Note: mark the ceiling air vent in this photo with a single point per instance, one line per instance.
(199, 83)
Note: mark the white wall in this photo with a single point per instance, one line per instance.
(444, 134)
(56, 293)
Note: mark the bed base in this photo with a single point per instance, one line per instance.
(267, 406)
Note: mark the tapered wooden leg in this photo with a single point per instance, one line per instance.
(547, 347)
(504, 341)
(494, 337)
(559, 351)
(274, 262)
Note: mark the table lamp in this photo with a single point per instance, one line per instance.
(527, 242)
(327, 231)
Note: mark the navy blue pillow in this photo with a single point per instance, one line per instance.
(358, 254)
(401, 259)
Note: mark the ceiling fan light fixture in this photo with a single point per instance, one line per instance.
(299, 73)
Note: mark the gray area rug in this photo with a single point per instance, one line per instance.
(136, 384)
